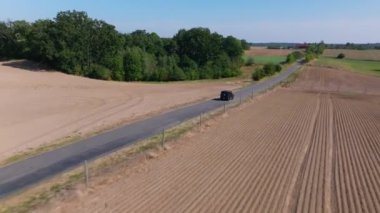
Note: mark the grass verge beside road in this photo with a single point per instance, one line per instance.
(292, 78)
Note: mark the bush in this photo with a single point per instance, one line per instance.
(258, 74)
(270, 69)
(267, 70)
(278, 68)
(297, 54)
(341, 56)
(309, 57)
(292, 57)
(99, 72)
(250, 61)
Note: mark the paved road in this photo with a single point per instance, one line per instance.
(25, 173)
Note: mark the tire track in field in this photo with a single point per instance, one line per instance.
(314, 193)
(99, 113)
(294, 189)
(330, 198)
(291, 144)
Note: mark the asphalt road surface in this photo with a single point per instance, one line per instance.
(23, 174)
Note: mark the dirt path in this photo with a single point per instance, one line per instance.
(307, 148)
(39, 107)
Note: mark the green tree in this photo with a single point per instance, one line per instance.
(232, 47)
(170, 46)
(198, 44)
(245, 45)
(74, 41)
(13, 42)
(42, 42)
(150, 67)
(148, 42)
(106, 43)
(115, 62)
(6, 40)
(134, 64)
(20, 31)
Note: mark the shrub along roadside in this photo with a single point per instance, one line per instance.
(294, 56)
(313, 51)
(268, 70)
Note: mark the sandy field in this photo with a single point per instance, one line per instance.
(263, 51)
(39, 107)
(373, 55)
(310, 147)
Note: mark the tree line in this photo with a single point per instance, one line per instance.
(353, 46)
(76, 44)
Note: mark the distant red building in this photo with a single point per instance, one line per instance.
(302, 46)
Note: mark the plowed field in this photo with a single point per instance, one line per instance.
(311, 147)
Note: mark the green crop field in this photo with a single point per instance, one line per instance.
(266, 59)
(361, 66)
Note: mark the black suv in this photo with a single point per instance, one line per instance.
(226, 95)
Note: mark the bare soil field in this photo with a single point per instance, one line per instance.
(263, 51)
(373, 55)
(338, 81)
(39, 107)
(310, 147)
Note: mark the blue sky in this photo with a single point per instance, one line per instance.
(336, 21)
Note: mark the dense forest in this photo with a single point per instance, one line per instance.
(77, 44)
